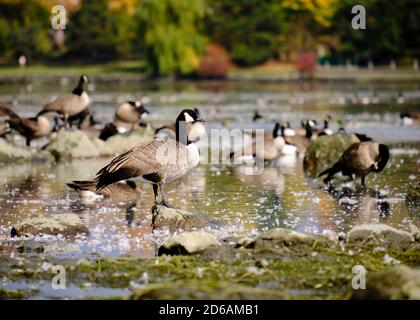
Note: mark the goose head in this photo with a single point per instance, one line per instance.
(186, 119)
(382, 158)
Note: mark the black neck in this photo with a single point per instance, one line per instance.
(79, 89)
(181, 132)
(276, 131)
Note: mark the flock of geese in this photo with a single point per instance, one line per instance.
(173, 152)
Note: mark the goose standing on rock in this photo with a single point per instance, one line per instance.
(161, 161)
(358, 160)
(70, 104)
(130, 112)
(31, 128)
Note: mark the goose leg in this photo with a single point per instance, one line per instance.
(28, 142)
(363, 181)
(155, 191)
(164, 201)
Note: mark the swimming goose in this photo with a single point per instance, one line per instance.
(360, 159)
(130, 112)
(300, 142)
(161, 161)
(69, 104)
(256, 117)
(326, 131)
(271, 150)
(31, 128)
(410, 118)
(87, 189)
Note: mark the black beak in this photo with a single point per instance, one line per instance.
(199, 119)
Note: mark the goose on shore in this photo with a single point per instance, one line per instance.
(70, 104)
(159, 162)
(358, 160)
(31, 128)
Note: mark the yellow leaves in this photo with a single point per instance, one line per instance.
(322, 11)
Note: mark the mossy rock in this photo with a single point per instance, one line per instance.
(325, 151)
(205, 291)
(10, 152)
(399, 282)
(286, 237)
(378, 234)
(188, 243)
(61, 224)
(176, 219)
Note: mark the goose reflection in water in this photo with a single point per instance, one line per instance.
(367, 204)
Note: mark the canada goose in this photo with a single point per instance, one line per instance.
(5, 111)
(273, 145)
(257, 116)
(119, 190)
(358, 160)
(410, 118)
(69, 104)
(325, 131)
(130, 112)
(298, 141)
(108, 131)
(159, 162)
(31, 128)
(195, 132)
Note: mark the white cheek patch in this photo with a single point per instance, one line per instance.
(188, 118)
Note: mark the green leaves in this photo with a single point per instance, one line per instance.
(169, 34)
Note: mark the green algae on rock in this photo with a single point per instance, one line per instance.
(60, 224)
(380, 235)
(398, 282)
(325, 151)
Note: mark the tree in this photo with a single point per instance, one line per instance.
(169, 35)
(97, 33)
(392, 30)
(251, 30)
(24, 27)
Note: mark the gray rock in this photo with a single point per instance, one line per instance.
(379, 234)
(286, 237)
(325, 151)
(10, 152)
(78, 144)
(73, 144)
(415, 231)
(398, 282)
(122, 142)
(61, 224)
(175, 219)
(188, 243)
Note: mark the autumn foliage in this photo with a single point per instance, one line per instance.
(215, 63)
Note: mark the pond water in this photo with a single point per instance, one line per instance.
(280, 196)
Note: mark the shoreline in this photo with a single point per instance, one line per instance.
(126, 72)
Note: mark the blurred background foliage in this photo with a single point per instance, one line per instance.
(206, 37)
